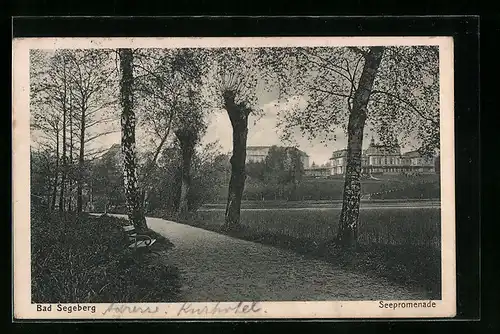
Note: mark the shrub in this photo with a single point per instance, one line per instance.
(80, 258)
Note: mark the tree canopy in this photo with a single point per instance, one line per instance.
(403, 105)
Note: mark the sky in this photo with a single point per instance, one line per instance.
(263, 131)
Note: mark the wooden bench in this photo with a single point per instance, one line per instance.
(146, 241)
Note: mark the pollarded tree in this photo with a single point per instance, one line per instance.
(128, 122)
(395, 90)
(189, 130)
(295, 169)
(235, 81)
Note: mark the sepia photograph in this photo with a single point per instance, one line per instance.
(233, 178)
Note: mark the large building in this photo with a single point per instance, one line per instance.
(259, 154)
(382, 159)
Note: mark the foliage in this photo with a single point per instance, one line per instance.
(168, 87)
(83, 259)
(235, 72)
(404, 104)
(42, 165)
(210, 169)
(81, 81)
(395, 91)
(255, 170)
(107, 182)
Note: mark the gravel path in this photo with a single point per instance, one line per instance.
(216, 267)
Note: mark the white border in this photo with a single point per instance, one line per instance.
(23, 309)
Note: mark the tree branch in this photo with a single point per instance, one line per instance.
(330, 92)
(100, 135)
(336, 68)
(408, 103)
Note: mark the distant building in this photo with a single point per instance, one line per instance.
(378, 158)
(338, 162)
(415, 162)
(259, 154)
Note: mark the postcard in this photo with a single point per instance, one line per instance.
(233, 178)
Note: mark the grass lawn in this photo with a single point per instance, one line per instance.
(384, 186)
(394, 226)
(86, 259)
(400, 244)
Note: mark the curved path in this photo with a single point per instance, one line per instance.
(217, 267)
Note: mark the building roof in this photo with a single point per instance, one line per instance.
(339, 153)
(257, 147)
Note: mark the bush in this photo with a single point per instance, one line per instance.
(86, 259)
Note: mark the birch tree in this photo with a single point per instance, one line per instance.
(393, 90)
(128, 123)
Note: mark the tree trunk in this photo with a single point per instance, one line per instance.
(81, 160)
(187, 139)
(70, 204)
(238, 115)
(349, 216)
(128, 121)
(56, 175)
(64, 160)
(91, 197)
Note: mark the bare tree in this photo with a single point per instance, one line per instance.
(72, 98)
(49, 103)
(93, 82)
